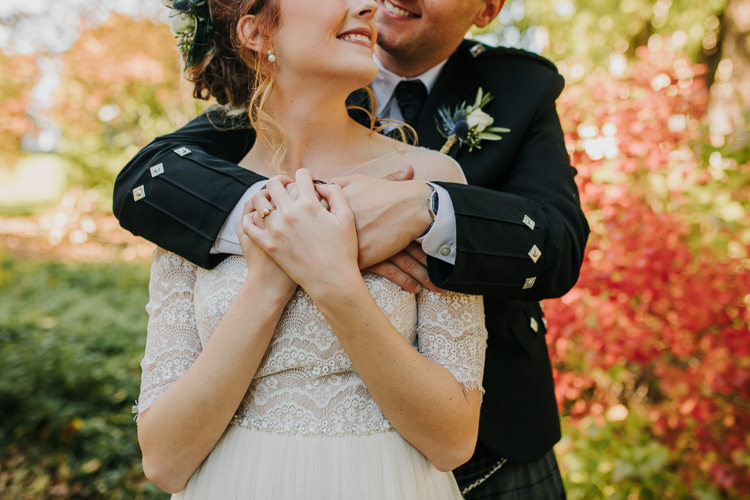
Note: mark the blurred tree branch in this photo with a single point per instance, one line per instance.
(730, 93)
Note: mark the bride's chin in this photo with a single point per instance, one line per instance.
(363, 76)
(369, 70)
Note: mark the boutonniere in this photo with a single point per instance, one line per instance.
(468, 124)
(190, 22)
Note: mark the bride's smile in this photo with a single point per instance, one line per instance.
(360, 36)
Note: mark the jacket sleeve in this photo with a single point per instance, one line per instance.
(525, 240)
(178, 191)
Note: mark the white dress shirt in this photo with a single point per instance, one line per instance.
(440, 240)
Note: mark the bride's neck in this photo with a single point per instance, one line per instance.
(317, 128)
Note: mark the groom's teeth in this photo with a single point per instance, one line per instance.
(397, 10)
(360, 38)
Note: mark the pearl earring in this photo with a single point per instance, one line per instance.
(271, 56)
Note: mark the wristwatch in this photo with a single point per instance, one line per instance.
(432, 207)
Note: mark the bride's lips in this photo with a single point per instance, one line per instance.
(394, 11)
(360, 36)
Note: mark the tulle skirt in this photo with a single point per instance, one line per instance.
(250, 464)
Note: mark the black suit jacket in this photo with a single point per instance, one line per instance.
(521, 195)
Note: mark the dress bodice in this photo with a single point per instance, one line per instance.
(306, 383)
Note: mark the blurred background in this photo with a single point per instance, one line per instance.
(651, 348)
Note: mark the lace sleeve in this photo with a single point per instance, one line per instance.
(172, 342)
(451, 332)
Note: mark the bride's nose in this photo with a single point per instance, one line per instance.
(364, 8)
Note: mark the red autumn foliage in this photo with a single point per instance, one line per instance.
(657, 322)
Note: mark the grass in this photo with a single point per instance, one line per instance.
(71, 338)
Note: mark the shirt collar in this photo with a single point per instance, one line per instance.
(385, 83)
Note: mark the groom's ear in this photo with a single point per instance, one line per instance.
(489, 12)
(249, 33)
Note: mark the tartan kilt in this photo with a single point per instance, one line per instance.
(538, 480)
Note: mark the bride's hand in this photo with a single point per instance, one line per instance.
(317, 247)
(291, 188)
(262, 270)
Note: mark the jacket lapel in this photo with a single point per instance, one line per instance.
(457, 82)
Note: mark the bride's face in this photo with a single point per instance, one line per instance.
(328, 40)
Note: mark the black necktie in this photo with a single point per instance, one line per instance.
(410, 95)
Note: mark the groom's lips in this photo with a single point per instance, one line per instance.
(394, 11)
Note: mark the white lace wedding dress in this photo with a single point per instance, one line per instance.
(307, 427)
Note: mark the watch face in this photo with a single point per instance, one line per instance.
(434, 201)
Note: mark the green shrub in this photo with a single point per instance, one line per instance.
(71, 338)
(620, 459)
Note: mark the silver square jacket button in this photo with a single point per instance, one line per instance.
(183, 151)
(477, 50)
(529, 283)
(157, 170)
(528, 221)
(139, 193)
(534, 324)
(535, 253)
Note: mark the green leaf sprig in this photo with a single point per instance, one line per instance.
(190, 22)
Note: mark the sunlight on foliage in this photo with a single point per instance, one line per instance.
(17, 76)
(121, 86)
(650, 349)
(656, 328)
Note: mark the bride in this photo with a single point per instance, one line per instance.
(288, 373)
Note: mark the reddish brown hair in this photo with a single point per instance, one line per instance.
(236, 76)
(230, 72)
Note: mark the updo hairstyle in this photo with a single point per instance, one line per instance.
(238, 78)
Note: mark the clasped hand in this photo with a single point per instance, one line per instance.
(386, 211)
(313, 245)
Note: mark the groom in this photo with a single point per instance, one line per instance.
(515, 234)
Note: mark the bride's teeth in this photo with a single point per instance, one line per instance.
(361, 38)
(397, 10)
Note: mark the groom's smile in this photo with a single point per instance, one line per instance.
(394, 11)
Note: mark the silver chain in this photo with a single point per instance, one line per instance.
(484, 478)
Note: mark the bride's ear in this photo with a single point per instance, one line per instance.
(249, 33)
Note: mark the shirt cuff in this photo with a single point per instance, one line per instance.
(440, 240)
(227, 241)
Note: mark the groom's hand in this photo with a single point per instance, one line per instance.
(390, 213)
(407, 269)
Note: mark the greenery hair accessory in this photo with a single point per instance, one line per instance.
(190, 22)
